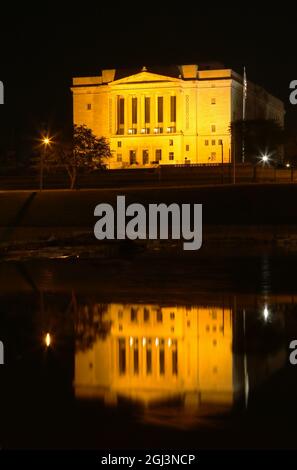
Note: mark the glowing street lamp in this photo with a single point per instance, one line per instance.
(46, 141)
(265, 158)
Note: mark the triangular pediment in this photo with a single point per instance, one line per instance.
(144, 77)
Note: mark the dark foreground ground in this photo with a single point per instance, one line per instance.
(26, 215)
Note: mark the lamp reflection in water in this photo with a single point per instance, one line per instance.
(47, 340)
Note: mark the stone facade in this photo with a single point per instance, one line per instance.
(182, 116)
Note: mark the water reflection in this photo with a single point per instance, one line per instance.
(195, 359)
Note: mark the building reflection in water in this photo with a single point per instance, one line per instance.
(156, 355)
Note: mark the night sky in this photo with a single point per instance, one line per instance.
(42, 48)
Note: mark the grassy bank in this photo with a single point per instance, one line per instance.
(241, 212)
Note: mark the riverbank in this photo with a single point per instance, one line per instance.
(235, 218)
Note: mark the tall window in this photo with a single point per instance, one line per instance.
(132, 157)
(160, 108)
(147, 110)
(172, 108)
(134, 110)
(121, 115)
(158, 155)
(145, 157)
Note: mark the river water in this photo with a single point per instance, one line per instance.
(148, 353)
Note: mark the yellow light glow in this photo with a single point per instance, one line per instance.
(143, 341)
(169, 342)
(46, 140)
(131, 341)
(48, 340)
(157, 342)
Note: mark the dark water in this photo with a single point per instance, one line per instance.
(113, 355)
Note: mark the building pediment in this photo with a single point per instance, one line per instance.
(144, 77)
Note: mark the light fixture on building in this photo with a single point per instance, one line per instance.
(288, 165)
(131, 341)
(157, 130)
(143, 341)
(157, 341)
(169, 342)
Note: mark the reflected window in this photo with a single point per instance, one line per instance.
(122, 356)
(136, 357)
(149, 358)
(174, 358)
(214, 314)
(146, 314)
(133, 314)
(159, 316)
(162, 359)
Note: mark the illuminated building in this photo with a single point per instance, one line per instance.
(173, 116)
(156, 354)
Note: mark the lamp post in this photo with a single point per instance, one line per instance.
(45, 142)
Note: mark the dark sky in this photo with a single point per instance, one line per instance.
(42, 48)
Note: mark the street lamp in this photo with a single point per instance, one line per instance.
(46, 141)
